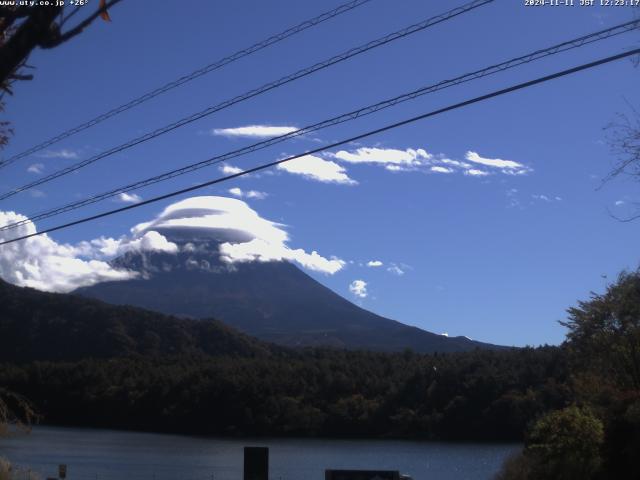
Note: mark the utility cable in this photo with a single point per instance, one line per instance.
(312, 22)
(361, 136)
(353, 115)
(253, 93)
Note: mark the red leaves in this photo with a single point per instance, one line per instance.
(104, 15)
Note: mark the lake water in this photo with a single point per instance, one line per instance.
(116, 455)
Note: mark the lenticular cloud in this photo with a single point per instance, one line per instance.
(215, 218)
(243, 235)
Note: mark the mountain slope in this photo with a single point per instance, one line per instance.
(45, 326)
(273, 301)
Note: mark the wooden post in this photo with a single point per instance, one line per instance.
(256, 463)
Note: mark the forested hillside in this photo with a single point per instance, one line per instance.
(84, 362)
(482, 395)
(36, 325)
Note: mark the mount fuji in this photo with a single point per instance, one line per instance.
(227, 263)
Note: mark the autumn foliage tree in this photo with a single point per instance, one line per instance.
(598, 437)
(604, 334)
(567, 444)
(16, 412)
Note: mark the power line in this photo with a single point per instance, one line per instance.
(515, 62)
(346, 7)
(361, 136)
(258, 91)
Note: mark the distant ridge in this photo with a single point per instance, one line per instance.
(35, 325)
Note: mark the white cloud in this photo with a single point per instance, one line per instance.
(219, 218)
(509, 167)
(125, 197)
(395, 269)
(546, 198)
(254, 131)
(418, 159)
(98, 248)
(374, 263)
(512, 196)
(63, 153)
(397, 160)
(42, 263)
(386, 156)
(243, 234)
(149, 241)
(238, 192)
(258, 250)
(619, 203)
(256, 194)
(476, 173)
(36, 168)
(359, 288)
(105, 247)
(453, 163)
(439, 169)
(230, 169)
(316, 168)
(514, 200)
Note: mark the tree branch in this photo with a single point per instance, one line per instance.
(9, 15)
(35, 29)
(60, 38)
(15, 12)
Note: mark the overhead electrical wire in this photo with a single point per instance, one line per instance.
(497, 93)
(512, 63)
(417, 27)
(312, 22)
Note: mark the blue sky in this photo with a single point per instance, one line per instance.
(497, 257)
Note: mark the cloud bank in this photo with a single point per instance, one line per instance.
(258, 250)
(396, 160)
(327, 167)
(393, 159)
(244, 236)
(42, 263)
